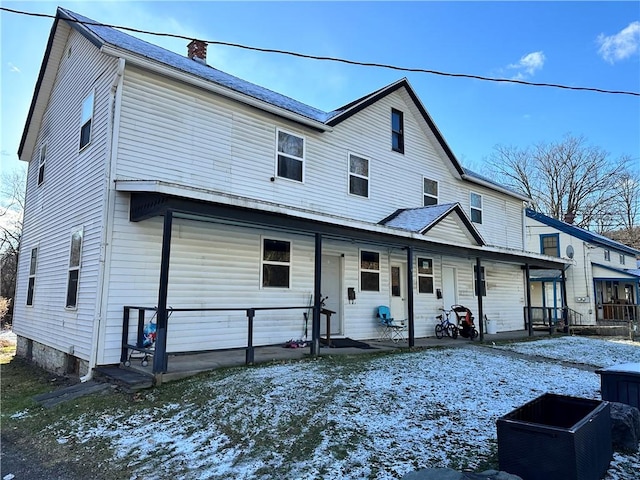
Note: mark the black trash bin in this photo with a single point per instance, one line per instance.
(621, 383)
(556, 437)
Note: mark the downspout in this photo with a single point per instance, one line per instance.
(107, 211)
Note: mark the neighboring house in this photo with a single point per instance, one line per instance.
(157, 180)
(601, 284)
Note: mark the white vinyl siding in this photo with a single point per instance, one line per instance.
(226, 147)
(74, 195)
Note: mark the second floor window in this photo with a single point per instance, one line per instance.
(86, 121)
(32, 276)
(358, 176)
(430, 189)
(607, 255)
(397, 130)
(290, 156)
(41, 162)
(476, 207)
(550, 244)
(622, 259)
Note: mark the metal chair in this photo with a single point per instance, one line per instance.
(387, 328)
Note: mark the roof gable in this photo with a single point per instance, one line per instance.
(581, 233)
(425, 219)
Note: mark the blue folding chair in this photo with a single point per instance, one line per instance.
(387, 328)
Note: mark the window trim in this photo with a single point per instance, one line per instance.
(607, 255)
(399, 134)
(483, 281)
(264, 262)
(74, 268)
(436, 197)
(622, 259)
(350, 174)
(31, 281)
(42, 160)
(425, 275)
(84, 121)
(368, 270)
(478, 209)
(550, 235)
(302, 159)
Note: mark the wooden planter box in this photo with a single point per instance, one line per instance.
(621, 383)
(556, 437)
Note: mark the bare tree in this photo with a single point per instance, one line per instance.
(12, 201)
(627, 205)
(568, 180)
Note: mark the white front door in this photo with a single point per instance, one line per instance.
(449, 287)
(331, 287)
(398, 291)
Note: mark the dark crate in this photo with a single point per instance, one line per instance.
(556, 437)
(621, 383)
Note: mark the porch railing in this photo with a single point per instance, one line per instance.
(143, 318)
(617, 312)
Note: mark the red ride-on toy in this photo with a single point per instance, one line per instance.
(465, 321)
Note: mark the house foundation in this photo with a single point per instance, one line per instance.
(50, 359)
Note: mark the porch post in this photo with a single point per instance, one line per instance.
(410, 296)
(317, 277)
(528, 294)
(479, 292)
(160, 355)
(565, 306)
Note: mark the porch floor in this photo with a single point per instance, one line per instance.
(186, 365)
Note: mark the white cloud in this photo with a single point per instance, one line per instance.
(623, 44)
(13, 68)
(528, 65)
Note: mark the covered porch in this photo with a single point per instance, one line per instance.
(145, 205)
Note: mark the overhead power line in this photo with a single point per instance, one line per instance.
(334, 59)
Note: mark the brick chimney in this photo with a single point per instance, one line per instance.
(197, 50)
(569, 217)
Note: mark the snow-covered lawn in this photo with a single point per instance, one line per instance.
(350, 418)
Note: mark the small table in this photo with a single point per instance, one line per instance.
(327, 313)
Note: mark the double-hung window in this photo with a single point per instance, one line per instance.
(622, 259)
(476, 207)
(276, 263)
(549, 244)
(607, 255)
(32, 275)
(74, 268)
(483, 282)
(358, 176)
(430, 190)
(42, 157)
(425, 275)
(397, 130)
(290, 156)
(369, 271)
(86, 121)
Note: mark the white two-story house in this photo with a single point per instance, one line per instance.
(159, 186)
(600, 285)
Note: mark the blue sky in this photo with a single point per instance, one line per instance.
(591, 44)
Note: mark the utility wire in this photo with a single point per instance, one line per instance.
(335, 59)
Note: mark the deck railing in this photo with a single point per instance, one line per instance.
(143, 318)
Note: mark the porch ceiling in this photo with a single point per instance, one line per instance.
(147, 204)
